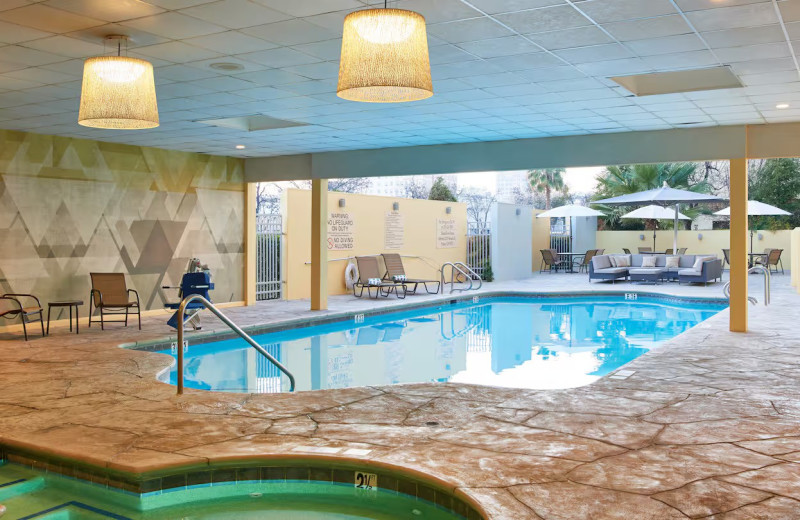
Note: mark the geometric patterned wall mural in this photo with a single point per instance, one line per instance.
(72, 206)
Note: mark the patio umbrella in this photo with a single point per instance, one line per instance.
(653, 212)
(755, 208)
(663, 196)
(570, 210)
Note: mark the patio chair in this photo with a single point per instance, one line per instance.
(682, 250)
(626, 250)
(645, 250)
(394, 268)
(726, 255)
(111, 296)
(583, 263)
(600, 251)
(669, 251)
(773, 258)
(368, 271)
(551, 262)
(11, 307)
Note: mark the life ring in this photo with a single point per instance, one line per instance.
(350, 275)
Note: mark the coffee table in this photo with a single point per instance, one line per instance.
(65, 303)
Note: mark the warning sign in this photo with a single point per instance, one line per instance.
(446, 237)
(340, 232)
(394, 231)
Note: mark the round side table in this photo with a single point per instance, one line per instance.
(65, 303)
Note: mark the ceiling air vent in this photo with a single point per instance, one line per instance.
(251, 123)
(679, 81)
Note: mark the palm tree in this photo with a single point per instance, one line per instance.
(624, 180)
(546, 181)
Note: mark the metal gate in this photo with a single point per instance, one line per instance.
(478, 249)
(560, 235)
(269, 242)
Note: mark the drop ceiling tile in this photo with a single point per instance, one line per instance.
(666, 45)
(16, 54)
(330, 50)
(436, 11)
(184, 73)
(682, 60)
(41, 75)
(280, 57)
(322, 70)
(273, 77)
(291, 32)
(235, 14)
(174, 25)
(545, 19)
(508, 6)
(570, 85)
(521, 89)
(136, 37)
(769, 78)
(246, 66)
(551, 73)
(611, 51)
(13, 33)
(648, 28)
(568, 38)
(13, 4)
(231, 42)
(790, 10)
(761, 66)
(302, 8)
(44, 18)
(464, 69)
(754, 52)
(745, 36)
(177, 52)
(606, 11)
(311, 87)
(530, 61)
(66, 46)
(109, 11)
(733, 17)
(793, 30)
(10, 83)
(494, 80)
(469, 30)
(615, 67)
(498, 47)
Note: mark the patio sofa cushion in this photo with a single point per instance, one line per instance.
(646, 270)
(612, 270)
(601, 262)
(690, 272)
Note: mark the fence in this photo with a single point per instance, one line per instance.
(561, 242)
(478, 256)
(269, 242)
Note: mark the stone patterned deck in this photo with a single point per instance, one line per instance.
(708, 426)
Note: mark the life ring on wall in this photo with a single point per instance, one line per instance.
(350, 275)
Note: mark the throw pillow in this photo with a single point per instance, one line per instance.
(623, 261)
(649, 261)
(613, 260)
(673, 262)
(698, 263)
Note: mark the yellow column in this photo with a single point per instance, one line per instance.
(250, 244)
(319, 244)
(738, 253)
(795, 263)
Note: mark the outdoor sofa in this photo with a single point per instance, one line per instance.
(624, 267)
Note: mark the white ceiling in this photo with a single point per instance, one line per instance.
(502, 69)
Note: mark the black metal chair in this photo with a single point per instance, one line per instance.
(11, 307)
(551, 262)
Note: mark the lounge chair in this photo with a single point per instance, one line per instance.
(111, 297)
(645, 249)
(368, 271)
(669, 251)
(682, 250)
(550, 262)
(773, 258)
(583, 262)
(726, 254)
(626, 250)
(11, 307)
(394, 268)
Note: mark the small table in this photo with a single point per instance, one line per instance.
(753, 256)
(572, 257)
(65, 303)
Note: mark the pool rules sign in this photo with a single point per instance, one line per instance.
(446, 237)
(340, 231)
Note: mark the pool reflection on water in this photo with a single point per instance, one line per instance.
(541, 343)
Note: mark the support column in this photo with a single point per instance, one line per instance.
(319, 244)
(738, 239)
(250, 244)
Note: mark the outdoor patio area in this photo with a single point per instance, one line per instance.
(705, 425)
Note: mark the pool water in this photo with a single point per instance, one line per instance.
(29, 494)
(536, 343)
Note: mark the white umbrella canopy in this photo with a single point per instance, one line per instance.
(654, 212)
(663, 196)
(570, 210)
(755, 208)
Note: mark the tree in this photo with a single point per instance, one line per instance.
(268, 194)
(415, 189)
(547, 181)
(441, 191)
(776, 182)
(627, 179)
(479, 205)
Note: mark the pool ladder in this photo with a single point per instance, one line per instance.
(726, 289)
(457, 270)
(242, 334)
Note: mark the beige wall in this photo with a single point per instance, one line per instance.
(369, 214)
(713, 241)
(540, 239)
(69, 207)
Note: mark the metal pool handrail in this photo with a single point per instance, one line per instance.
(462, 269)
(242, 334)
(726, 289)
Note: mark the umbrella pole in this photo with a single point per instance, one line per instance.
(655, 227)
(675, 236)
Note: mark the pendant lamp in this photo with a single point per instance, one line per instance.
(384, 57)
(118, 92)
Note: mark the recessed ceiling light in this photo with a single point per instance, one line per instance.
(781, 106)
(240, 147)
(226, 66)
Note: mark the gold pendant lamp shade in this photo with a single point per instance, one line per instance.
(384, 57)
(118, 92)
